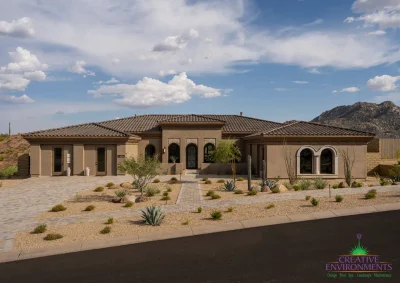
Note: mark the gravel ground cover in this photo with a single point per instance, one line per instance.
(102, 200)
(132, 225)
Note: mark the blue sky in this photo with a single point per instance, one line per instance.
(69, 62)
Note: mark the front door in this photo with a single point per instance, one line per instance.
(191, 156)
(101, 161)
(58, 161)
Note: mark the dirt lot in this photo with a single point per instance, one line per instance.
(102, 200)
(131, 226)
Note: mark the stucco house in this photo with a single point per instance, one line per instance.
(184, 142)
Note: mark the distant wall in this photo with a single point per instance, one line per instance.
(388, 148)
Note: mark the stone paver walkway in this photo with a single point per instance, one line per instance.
(21, 203)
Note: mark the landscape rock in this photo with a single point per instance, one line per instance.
(281, 188)
(126, 185)
(141, 199)
(343, 185)
(265, 189)
(116, 200)
(255, 188)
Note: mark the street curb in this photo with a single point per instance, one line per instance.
(192, 231)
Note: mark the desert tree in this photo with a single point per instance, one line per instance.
(142, 170)
(348, 163)
(290, 162)
(227, 152)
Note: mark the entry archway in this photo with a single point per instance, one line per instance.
(191, 156)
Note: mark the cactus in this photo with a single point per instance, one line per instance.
(249, 172)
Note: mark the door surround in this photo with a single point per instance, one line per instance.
(192, 152)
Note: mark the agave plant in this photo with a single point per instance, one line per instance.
(267, 182)
(153, 215)
(229, 186)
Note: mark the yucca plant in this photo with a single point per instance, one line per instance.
(229, 186)
(153, 215)
(270, 183)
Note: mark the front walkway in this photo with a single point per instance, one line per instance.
(21, 203)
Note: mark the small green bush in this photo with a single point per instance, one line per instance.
(121, 193)
(215, 196)
(110, 220)
(156, 181)
(128, 204)
(1, 157)
(296, 188)
(169, 189)
(58, 207)
(221, 181)
(320, 183)
(314, 201)
(9, 171)
(199, 209)
(166, 198)
(240, 179)
(165, 194)
(172, 182)
(40, 229)
(305, 184)
(275, 191)
(173, 179)
(210, 193)
(288, 186)
(308, 197)
(110, 184)
(106, 230)
(208, 182)
(252, 193)
(356, 184)
(270, 206)
(238, 192)
(186, 222)
(335, 186)
(384, 182)
(373, 191)
(338, 198)
(151, 191)
(371, 194)
(89, 208)
(205, 179)
(216, 214)
(52, 237)
(99, 189)
(229, 209)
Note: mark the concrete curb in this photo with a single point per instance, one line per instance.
(192, 231)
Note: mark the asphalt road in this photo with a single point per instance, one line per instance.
(295, 252)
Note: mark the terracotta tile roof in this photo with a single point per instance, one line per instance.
(191, 118)
(302, 128)
(150, 123)
(82, 130)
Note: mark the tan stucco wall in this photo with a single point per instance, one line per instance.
(132, 150)
(155, 141)
(35, 157)
(78, 159)
(276, 162)
(189, 132)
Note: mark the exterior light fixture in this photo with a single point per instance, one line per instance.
(164, 150)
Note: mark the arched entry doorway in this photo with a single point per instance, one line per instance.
(191, 156)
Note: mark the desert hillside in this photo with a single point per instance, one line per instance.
(10, 149)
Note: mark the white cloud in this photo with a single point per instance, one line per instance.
(348, 89)
(280, 89)
(151, 92)
(79, 68)
(364, 6)
(314, 71)
(23, 99)
(24, 60)
(334, 91)
(115, 61)
(13, 82)
(110, 81)
(377, 32)
(300, 82)
(174, 43)
(19, 28)
(383, 83)
(394, 97)
(315, 22)
(166, 73)
(35, 76)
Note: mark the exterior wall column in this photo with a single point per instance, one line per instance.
(35, 157)
(316, 164)
(121, 153)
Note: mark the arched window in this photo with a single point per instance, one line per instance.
(306, 161)
(326, 161)
(174, 153)
(208, 148)
(149, 151)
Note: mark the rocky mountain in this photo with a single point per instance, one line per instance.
(10, 149)
(382, 119)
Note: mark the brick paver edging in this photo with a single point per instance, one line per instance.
(193, 231)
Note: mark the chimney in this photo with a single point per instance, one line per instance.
(241, 113)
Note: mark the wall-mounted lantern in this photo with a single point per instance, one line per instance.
(164, 150)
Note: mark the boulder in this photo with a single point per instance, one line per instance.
(343, 185)
(281, 188)
(126, 185)
(141, 199)
(116, 200)
(127, 198)
(265, 189)
(255, 188)
(396, 183)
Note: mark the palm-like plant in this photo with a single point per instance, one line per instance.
(153, 215)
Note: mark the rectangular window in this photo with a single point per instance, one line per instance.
(101, 159)
(57, 156)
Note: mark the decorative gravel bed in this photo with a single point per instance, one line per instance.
(130, 226)
(102, 201)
